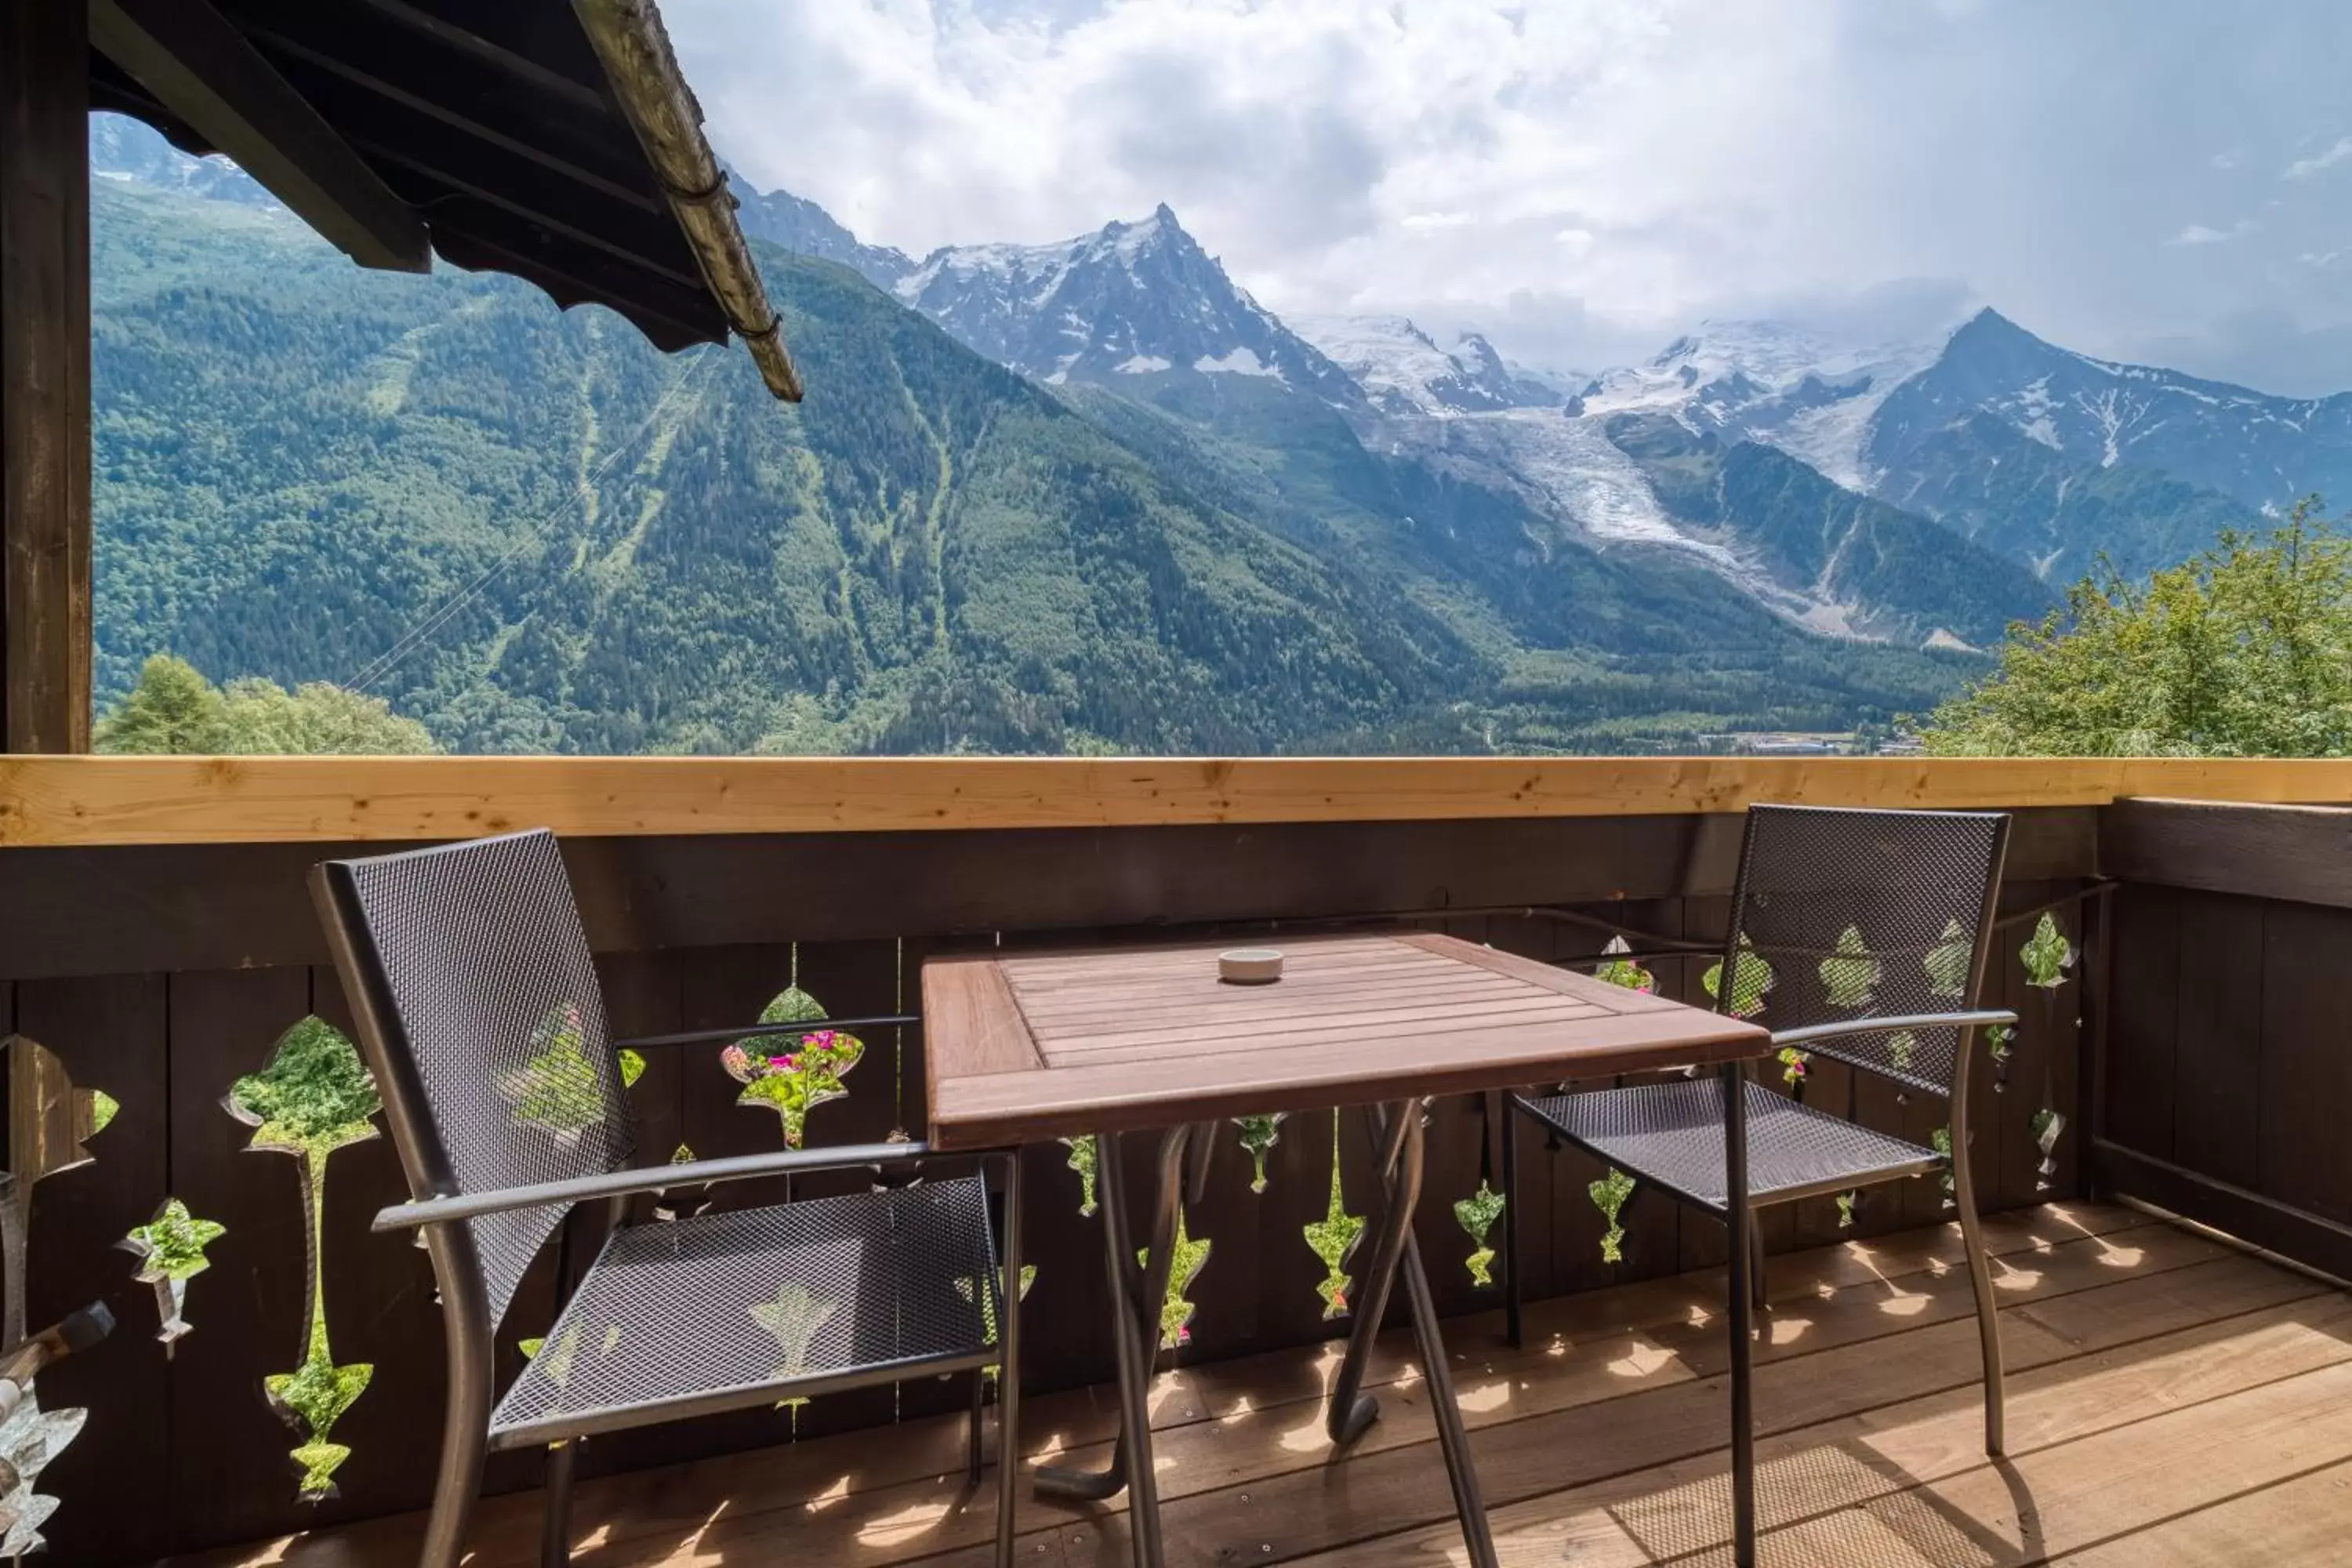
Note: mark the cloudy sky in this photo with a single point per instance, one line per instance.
(2162, 180)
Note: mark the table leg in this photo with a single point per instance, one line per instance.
(1469, 1504)
(1740, 1220)
(1352, 1410)
(1136, 1296)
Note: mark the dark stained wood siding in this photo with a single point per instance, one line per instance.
(163, 974)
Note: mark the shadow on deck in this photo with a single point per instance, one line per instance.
(2172, 1400)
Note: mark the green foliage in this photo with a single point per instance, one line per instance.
(1610, 1195)
(2245, 650)
(1186, 1259)
(1948, 961)
(1259, 1135)
(1333, 1237)
(171, 1246)
(173, 709)
(1845, 1202)
(315, 1097)
(2047, 956)
(793, 1075)
(558, 1086)
(1083, 1153)
(1624, 971)
(1476, 1214)
(1850, 973)
(315, 1396)
(1751, 978)
(1793, 1063)
(103, 1109)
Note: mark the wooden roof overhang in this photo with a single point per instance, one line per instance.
(554, 140)
(548, 139)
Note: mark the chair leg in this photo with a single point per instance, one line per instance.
(1008, 1371)
(1513, 1302)
(465, 1439)
(1758, 1292)
(1964, 1198)
(555, 1522)
(972, 1459)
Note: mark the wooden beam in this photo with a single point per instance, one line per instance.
(200, 800)
(201, 67)
(44, 630)
(2298, 852)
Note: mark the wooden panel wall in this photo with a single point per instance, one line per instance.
(702, 932)
(2226, 1086)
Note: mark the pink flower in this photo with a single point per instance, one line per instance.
(782, 1064)
(736, 1061)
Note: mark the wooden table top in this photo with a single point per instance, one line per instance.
(1024, 1048)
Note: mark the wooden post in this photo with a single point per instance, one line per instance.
(45, 619)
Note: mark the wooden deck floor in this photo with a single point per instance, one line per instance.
(2171, 1401)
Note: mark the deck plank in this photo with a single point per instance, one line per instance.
(1600, 1442)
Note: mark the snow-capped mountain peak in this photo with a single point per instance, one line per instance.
(1134, 298)
(1402, 369)
(1774, 382)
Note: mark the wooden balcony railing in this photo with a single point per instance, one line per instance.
(156, 936)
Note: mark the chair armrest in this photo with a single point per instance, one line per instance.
(1812, 1032)
(747, 1031)
(646, 1179)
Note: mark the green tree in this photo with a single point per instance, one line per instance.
(2245, 650)
(173, 709)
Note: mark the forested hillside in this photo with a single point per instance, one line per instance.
(532, 532)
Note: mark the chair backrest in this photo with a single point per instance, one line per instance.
(1841, 914)
(480, 1014)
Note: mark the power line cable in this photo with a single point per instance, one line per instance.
(408, 643)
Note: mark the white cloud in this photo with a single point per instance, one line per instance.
(2199, 234)
(1584, 177)
(2319, 163)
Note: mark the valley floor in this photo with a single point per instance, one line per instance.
(2171, 1401)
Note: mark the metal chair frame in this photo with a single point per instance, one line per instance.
(441, 1212)
(1744, 1135)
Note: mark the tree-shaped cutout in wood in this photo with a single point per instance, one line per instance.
(1083, 1155)
(793, 1318)
(1259, 1135)
(50, 1123)
(1608, 1194)
(315, 1097)
(1186, 1258)
(2049, 1124)
(1850, 974)
(1751, 977)
(1947, 961)
(2047, 956)
(171, 1252)
(1618, 970)
(791, 1075)
(1941, 1141)
(988, 1307)
(1333, 1239)
(1476, 1214)
(558, 1088)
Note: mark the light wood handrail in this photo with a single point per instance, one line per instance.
(87, 800)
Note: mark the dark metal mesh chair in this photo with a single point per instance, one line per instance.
(481, 1015)
(1856, 935)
